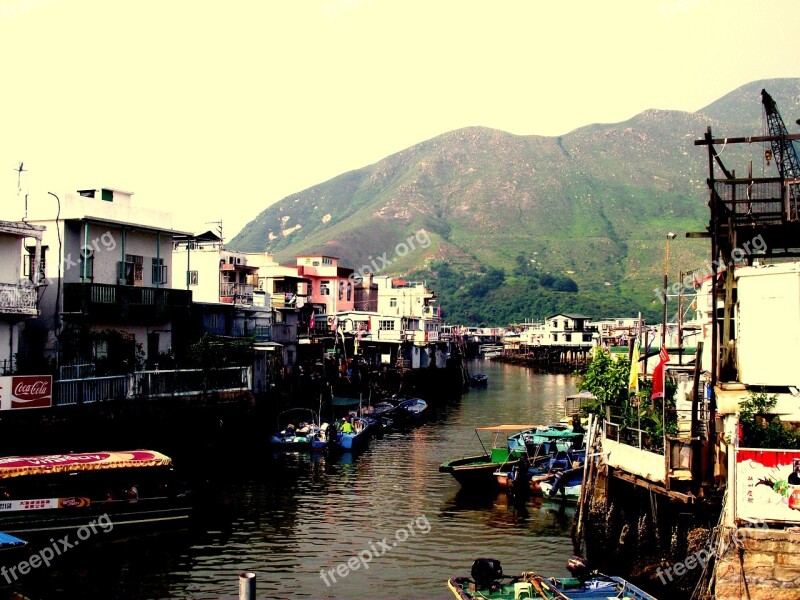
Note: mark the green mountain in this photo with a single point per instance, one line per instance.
(524, 226)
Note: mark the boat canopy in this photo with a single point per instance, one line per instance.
(506, 428)
(19, 466)
(9, 541)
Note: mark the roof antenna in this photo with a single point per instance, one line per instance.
(219, 230)
(20, 170)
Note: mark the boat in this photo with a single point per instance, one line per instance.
(556, 452)
(490, 350)
(544, 439)
(479, 380)
(413, 409)
(479, 470)
(487, 582)
(307, 434)
(354, 439)
(565, 485)
(67, 491)
(9, 542)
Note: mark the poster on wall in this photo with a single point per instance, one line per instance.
(768, 485)
(26, 391)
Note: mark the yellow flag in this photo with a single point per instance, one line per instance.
(633, 381)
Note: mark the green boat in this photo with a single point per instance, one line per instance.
(478, 470)
(488, 583)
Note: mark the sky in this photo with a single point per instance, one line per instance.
(216, 110)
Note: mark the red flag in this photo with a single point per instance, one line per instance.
(659, 375)
(311, 320)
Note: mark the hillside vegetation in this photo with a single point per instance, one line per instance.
(524, 226)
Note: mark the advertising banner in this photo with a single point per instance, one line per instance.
(768, 485)
(26, 391)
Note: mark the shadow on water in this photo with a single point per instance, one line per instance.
(289, 517)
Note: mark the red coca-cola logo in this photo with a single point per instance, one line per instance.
(31, 392)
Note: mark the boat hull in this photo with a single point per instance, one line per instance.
(474, 471)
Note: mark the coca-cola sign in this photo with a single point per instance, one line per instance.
(26, 391)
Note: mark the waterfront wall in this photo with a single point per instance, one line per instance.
(765, 565)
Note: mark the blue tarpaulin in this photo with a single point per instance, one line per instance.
(9, 541)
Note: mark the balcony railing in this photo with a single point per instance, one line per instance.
(124, 301)
(236, 293)
(18, 299)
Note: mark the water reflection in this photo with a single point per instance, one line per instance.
(289, 516)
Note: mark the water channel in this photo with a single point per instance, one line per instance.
(289, 517)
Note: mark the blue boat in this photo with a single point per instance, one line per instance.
(413, 409)
(544, 440)
(300, 433)
(7, 541)
(357, 435)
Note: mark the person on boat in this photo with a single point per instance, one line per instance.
(576, 425)
(347, 427)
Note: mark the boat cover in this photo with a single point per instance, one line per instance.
(19, 466)
(9, 541)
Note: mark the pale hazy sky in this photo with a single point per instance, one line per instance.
(218, 109)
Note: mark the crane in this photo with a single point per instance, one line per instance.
(783, 151)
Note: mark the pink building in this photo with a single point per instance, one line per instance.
(330, 285)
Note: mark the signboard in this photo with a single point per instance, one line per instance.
(44, 503)
(26, 391)
(768, 485)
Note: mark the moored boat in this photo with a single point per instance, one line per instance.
(414, 409)
(307, 433)
(564, 484)
(479, 380)
(479, 470)
(353, 437)
(66, 491)
(487, 582)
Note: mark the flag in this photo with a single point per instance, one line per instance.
(633, 380)
(311, 320)
(659, 374)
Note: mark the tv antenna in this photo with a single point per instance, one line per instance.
(219, 230)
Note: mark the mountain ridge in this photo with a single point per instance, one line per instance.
(592, 205)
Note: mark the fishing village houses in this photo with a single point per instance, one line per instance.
(107, 302)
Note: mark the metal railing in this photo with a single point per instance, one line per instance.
(634, 437)
(92, 389)
(184, 382)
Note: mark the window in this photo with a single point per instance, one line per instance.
(107, 195)
(324, 289)
(392, 302)
(212, 321)
(349, 290)
(131, 272)
(341, 290)
(327, 261)
(159, 271)
(315, 263)
(28, 265)
(386, 325)
(86, 264)
(191, 277)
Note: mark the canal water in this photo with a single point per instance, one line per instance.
(291, 517)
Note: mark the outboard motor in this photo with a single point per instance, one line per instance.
(486, 572)
(579, 569)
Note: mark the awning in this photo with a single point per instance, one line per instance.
(19, 466)
(507, 428)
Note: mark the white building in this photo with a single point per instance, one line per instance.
(18, 285)
(108, 266)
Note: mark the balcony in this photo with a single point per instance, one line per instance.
(236, 293)
(98, 300)
(18, 299)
